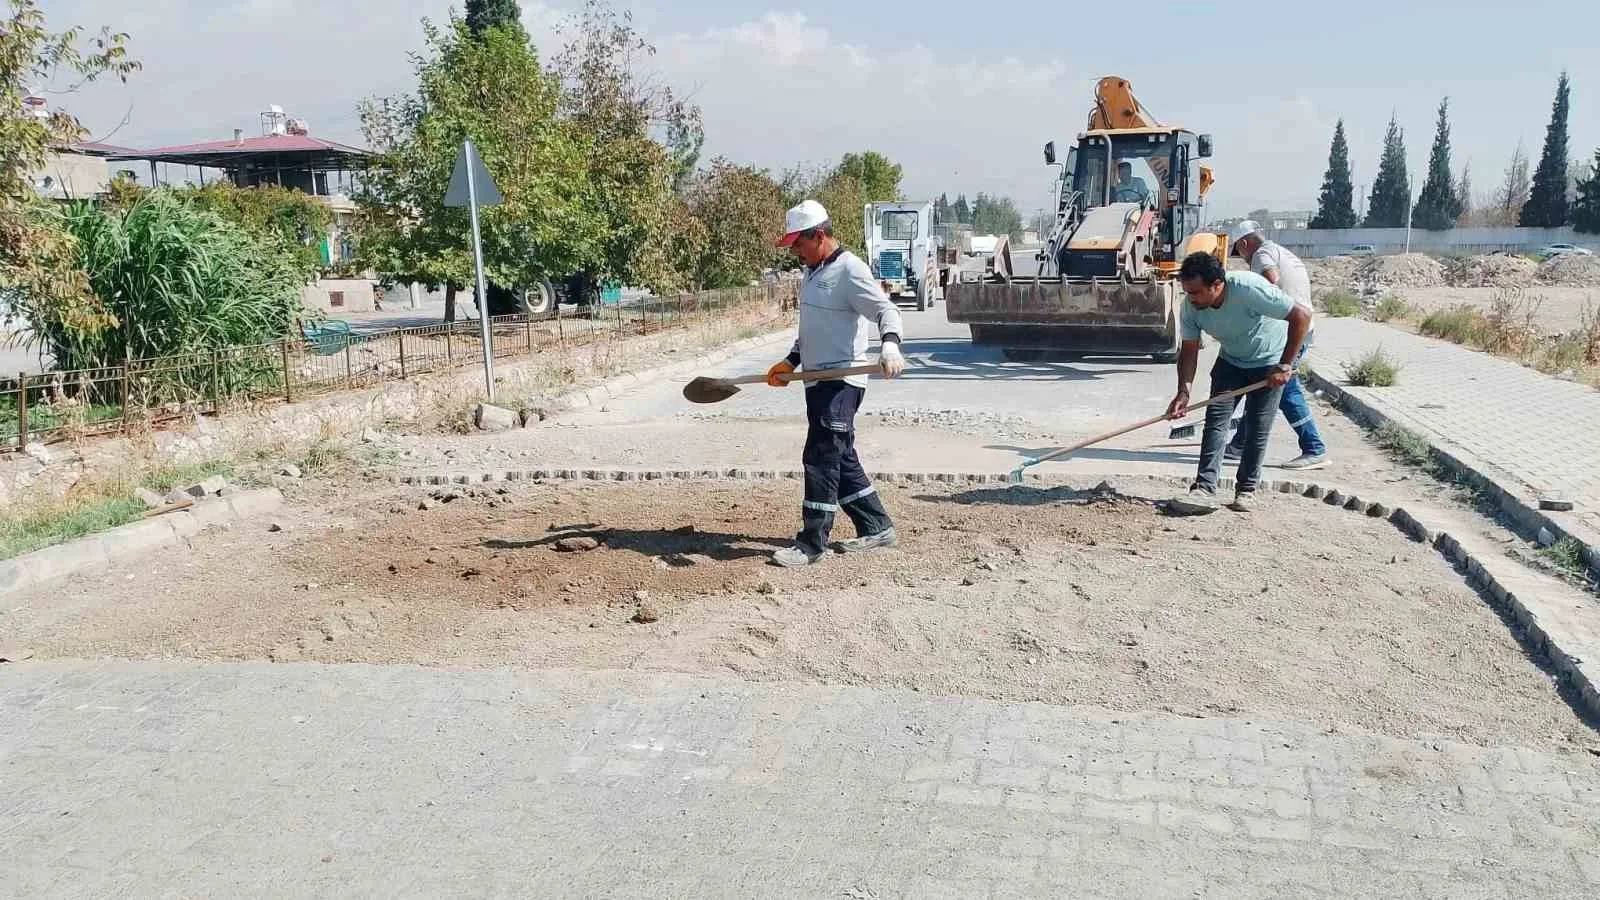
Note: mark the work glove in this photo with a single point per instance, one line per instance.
(890, 361)
(775, 375)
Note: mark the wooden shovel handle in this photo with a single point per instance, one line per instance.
(1147, 422)
(817, 375)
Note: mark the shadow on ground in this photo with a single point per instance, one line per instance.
(1026, 495)
(674, 546)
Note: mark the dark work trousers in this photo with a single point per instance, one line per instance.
(1260, 408)
(834, 477)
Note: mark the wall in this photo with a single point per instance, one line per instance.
(1457, 241)
(76, 176)
(357, 295)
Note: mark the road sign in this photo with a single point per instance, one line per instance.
(459, 193)
(471, 186)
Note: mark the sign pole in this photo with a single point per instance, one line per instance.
(483, 287)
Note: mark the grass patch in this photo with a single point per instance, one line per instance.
(166, 478)
(47, 527)
(1342, 304)
(1566, 555)
(1460, 324)
(1404, 445)
(1392, 308)
(1375, 368)
(323, 456)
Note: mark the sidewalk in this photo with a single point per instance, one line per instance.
(164, 778)
(1529, 433)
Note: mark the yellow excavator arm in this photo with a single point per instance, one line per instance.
(1116, 107)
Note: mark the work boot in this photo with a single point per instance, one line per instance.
(884, 538)
(1198, 501)
(1307, 461)
(795, 557)
(1243, 501)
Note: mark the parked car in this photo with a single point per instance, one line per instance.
(1363, 250)
(1550, 250)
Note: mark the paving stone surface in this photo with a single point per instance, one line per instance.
(150, 779)
(1534, 428)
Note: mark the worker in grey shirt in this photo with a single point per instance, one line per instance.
(1278, 265)
(839, 298)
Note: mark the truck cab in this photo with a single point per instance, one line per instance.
(902, 251)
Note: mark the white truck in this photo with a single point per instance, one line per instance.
(903, 252)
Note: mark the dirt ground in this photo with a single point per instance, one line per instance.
(1022, 594)
(1555, 309)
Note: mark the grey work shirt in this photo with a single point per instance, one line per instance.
(837, 301)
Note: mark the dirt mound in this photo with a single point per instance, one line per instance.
(1337, 271)
(1491, 270)
(1570, 269)
(1401, 270)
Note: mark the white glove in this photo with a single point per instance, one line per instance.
(890, 362)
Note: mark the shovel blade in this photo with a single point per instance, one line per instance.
(709, 390)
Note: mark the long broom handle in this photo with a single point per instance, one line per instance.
(1146, 423)
(815, 375)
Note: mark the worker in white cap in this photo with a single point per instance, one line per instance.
(1277, 264)
(839, 297)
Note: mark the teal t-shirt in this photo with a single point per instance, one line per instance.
(1250, 326)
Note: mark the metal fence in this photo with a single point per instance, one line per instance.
(55, 406)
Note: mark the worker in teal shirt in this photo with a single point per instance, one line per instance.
(1259, 330)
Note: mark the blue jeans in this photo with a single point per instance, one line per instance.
(1297, 410)
(1260, 409)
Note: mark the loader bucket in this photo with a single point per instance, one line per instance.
(1089, 316)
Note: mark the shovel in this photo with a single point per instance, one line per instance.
(715, 390)
(1016, 474)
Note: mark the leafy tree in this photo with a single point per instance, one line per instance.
(1547, 200)
(996, 215)
(841, 193)
(1506, 205)
(1336, 205)
(1586, 210)
(483, 15)
(1391, 190)
(879, 177)
(741, 209)
(492, 89)
(39, 274)
(962, 211)
(619, 110)
(1438, 205)
(941, 210)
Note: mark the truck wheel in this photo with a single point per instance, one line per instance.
(538, 298)
(923, 301)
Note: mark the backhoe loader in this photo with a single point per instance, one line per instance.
(1105, 279)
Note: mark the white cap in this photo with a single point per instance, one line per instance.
(1241, 231)
(804, 217)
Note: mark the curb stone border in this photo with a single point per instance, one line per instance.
(628, 381)
(1565, 636)
(1523, 512)
(133, 539)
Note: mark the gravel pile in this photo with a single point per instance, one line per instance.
(1402, 270)
(1571, 269)
(1491, 270)
(1334, 270)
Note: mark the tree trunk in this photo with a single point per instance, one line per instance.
(449, 303)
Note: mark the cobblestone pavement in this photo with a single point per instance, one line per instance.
(181, 779)
(1513, 420)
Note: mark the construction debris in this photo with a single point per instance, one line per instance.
(1401, 270)
(1491, 270)
(494, 418)
(577, 544)
(1570, 269)
(1334, 270)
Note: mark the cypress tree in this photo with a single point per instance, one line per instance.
(1586, 211)
(1438, 205)
(1336, 206)
(483, 15)
(1547, 201)
(1391, 190)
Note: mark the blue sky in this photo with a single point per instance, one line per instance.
(962, 94)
